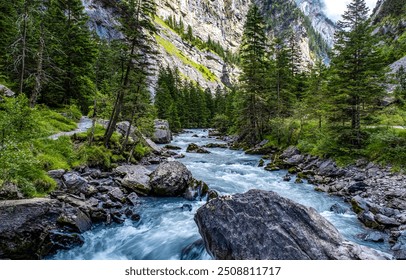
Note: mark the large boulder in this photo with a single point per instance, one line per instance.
(162, 133)
(10, 191)
(171, 178)
(263, 225)
(135, 178)
(25, 226)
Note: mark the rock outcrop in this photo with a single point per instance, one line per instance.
(171, 178)
(262, 225)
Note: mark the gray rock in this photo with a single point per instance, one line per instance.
(5, 91)
(133, 199)
(162, 133)
(25, 226)
(329, 168)
(338, 209)
(375, 236)
(400, 246)
(74, 182)
(193, 148)
(290, 152)
(56, 174)
(75, 220)
(136, 178)
(258, 225)
(116, 195)
(171, 178)
(384, 220)
(9, 191)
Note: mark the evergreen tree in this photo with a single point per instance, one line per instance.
(138, 27)
(357, 75)
(73, 52)
(253, 52)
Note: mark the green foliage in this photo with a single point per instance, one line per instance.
(140, 151)
(95, 156)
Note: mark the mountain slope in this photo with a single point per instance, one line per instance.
(220, 22)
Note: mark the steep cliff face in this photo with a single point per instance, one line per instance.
(389, 20)
(222, 21)
(323, 25)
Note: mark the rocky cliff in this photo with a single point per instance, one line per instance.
(222, 21)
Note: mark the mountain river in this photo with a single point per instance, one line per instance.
(167, 230)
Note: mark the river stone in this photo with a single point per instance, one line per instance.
(171, 178)
(193, 148)
(136, 178)
(162, 133)
(263, 225)
(56, 174)
(328, 168)
(387, 221)
(25, 226)
(117, 195)
(75, 219)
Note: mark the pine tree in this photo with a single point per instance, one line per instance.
(138, 27)
(357, 75)
(73, 51)
(253, 53)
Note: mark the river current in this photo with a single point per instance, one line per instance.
(167, 231)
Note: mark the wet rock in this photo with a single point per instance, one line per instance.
(136, 178)
(193, 251)
(338, 209)
(186, 207)
(368, 219)
(195, 136)
(172, 147)
(171, 178)
(287, 178)
(375, 236)
(216, 145)
(212, 194)
(359, 204)
(25, 226)
(261, 163)
(99, 215)
(272, 167)
(162, 133)
(133, 199)
(65, 240)
(298, 181)
(400, 246)
(258, 225)
(214, 133)
(196, 190)
(9, 191)
(75, 219)
(193, 148)
(132, 215)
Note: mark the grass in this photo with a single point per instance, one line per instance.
(174, 51)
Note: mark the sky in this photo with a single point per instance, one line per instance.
(335, 8)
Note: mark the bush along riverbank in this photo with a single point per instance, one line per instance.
(377, 195)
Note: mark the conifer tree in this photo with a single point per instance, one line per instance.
(253, 52)
(357, 75)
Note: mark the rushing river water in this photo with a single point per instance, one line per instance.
(167, 231)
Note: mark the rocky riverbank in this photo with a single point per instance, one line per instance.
(261, 225)
(376, 194)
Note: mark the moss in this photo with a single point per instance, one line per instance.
(173, 50)
(96, 156)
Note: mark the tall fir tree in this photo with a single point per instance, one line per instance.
(253, 52)
(137, 27)
(357, 75)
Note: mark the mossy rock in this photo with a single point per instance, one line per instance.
(292, 170)
(302, 175)
(261, 163)
(272, 167)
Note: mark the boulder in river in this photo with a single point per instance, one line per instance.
(171, 178)
(135, 178)
(193, 148)
(263, 225)
(162, 133)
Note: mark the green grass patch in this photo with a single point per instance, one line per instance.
(173, 50)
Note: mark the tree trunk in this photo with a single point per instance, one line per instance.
(24, 46)
(39, 76)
